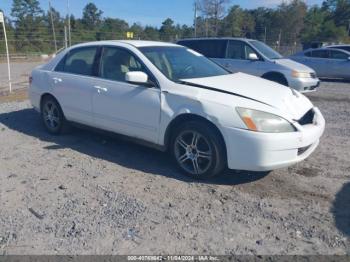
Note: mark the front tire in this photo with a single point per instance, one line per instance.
(52, 116)
(198, 150)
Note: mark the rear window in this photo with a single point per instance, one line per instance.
(79, 61)
(335, 54)
(346, 48)
(209, 48)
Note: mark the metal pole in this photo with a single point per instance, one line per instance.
(69, 30)
(53, 27)
(265, 35)
(195, 18)
(65, 37)
(7, 52)
(279, 40)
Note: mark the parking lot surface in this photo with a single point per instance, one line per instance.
(19, 74)
(86, 193)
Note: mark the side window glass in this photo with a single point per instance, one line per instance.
(338, 55)
(320, 54)
(308, 54)
(236, 50)
(248, 51)
(212, 48)
(80, 61)
(116, 62)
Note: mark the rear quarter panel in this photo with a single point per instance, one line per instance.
(39, 86)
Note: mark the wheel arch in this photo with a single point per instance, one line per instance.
(270, 74)
(45, 95)
(186, 117)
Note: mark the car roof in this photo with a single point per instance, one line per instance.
(135, 43)
(338, 45)
(217, 38)
(325, 49)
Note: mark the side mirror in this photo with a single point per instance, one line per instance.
(137, 77)
(253, 57)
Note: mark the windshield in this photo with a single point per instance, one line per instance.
(266, 50)
(178, 63)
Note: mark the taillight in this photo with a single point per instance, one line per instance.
(30, 80)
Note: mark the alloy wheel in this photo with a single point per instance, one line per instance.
(193, 152)
(51, 115)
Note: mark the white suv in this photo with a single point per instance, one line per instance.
(177, 100)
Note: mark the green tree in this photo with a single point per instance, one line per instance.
(238, 23)
(151, 33)
(213, 12)
(186, 31)
(30, 26)
(92, 16)
(9, 31)
(294, 14)
(138, 31)
(338, 11)
(263, 19)
(56, 24)
(319, 27)
(168, 30)
(114, 28)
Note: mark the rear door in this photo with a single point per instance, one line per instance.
(319, 61)
(73, 83)
(339, 64)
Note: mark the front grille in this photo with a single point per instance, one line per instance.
(303, 150)
(308, 118)
(313, 75)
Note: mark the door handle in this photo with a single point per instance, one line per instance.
(57, 80)
(99, 89)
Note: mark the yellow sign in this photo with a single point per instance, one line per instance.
(1, 17)
(129, 34)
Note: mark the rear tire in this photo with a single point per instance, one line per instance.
(52, 116)
(198, 150)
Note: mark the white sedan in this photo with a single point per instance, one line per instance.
(178, 101)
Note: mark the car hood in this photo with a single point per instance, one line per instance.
(290, 64)
(288, 102)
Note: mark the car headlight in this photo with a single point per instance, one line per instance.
(260, 121)
(298, 74)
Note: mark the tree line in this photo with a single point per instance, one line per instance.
(31, 29)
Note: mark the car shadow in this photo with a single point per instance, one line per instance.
(114, 149)
(341, 210)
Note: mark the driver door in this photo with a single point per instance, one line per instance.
(122, 107)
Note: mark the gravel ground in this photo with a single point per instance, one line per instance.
(85, 193)
(19, 74)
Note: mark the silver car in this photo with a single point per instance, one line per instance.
(343, 47)
(255, 58)
(327, 62)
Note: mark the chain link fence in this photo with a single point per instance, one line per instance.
(34, 50)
